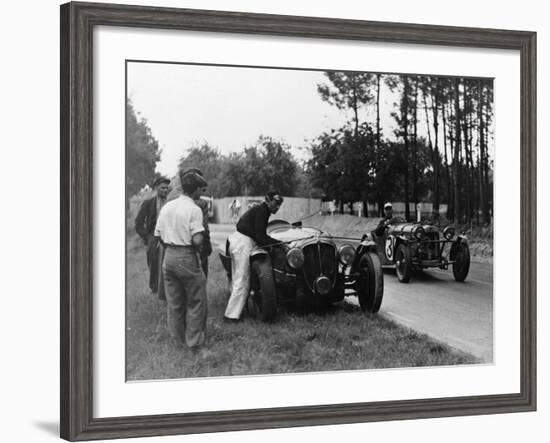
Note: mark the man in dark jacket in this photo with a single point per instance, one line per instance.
(251, 232)
(386, 221)
(145, 223)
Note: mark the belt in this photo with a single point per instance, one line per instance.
(169, 245)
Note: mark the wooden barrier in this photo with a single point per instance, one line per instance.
(426, 209)
(293, 208)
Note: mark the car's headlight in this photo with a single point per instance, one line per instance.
(346, 254)
(419, 232)
(449, 232)
(295, 258)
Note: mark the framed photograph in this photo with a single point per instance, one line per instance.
(273, 221)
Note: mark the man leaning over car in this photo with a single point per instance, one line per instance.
(251, 232)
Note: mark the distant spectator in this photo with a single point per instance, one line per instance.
(237, 208)
(332, 207)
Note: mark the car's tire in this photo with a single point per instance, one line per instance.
(370, 283)
(462, 266)
(266, 297)
(403, 263)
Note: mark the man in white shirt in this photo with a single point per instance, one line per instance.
(180, 227)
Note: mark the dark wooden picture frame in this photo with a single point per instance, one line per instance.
(77, 23)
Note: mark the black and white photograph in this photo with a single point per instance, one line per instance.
(283, 221)
(235, 221)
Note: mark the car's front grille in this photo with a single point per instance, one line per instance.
(429, 250)
(319, 259)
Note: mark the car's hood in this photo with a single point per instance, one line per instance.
(408, 227)
(295, 235)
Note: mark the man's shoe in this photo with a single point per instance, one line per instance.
(230, 320)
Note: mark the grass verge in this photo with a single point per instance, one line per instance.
(340, 338)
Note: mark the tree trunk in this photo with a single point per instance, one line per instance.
(452, 146)
(378, 136)
(481, 143)
(471, 188)
(468, 208)
(355, 107)
(447, 173)
(430, 146)
(378, 111)
(485, 158)
(457, 152)
(415, 145)
(405, 123)
(435, 155)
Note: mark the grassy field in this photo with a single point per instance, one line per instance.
(342, 338)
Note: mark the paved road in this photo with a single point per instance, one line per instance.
(459, 314)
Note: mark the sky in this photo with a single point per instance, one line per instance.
(230, 107)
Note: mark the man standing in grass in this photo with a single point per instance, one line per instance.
(145, 227)
(180, 227)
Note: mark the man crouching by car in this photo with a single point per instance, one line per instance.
(251, 232)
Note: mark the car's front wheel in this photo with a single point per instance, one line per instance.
(403, 264)
(265, 297)
(370, 282)
(461, 267)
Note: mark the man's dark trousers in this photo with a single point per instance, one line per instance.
(153, 262)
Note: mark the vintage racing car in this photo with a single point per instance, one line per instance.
(315, 270)
(413, 246)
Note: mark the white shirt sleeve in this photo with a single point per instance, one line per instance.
(160, 223)
(195, 221)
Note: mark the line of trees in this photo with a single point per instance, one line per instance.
(267, 164)
(142, 152)
(438, 151)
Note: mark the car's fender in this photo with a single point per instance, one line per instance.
(367, 244)
(397, 240)
(461, 238)
(258, 253)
